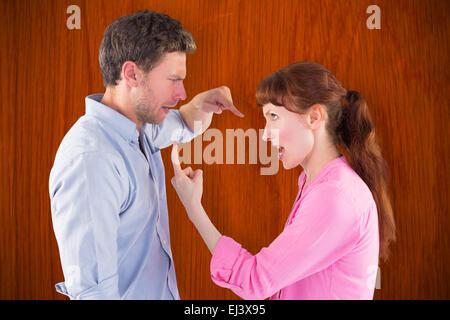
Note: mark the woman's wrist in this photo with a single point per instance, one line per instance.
(205, 227)
(195, 211)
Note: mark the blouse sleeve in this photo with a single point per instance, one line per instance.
(324, 228)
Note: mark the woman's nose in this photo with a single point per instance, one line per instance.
(265, 135)
(272, 135)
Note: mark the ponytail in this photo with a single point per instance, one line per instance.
(356, 135)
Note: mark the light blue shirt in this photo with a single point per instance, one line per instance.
(109, 206)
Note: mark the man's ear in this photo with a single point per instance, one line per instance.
(129, 73)
(316, 115)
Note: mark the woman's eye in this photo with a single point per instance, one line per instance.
(274, 116)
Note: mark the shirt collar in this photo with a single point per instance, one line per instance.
(124, 126)
(325, 170)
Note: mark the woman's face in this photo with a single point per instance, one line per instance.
(289, 133)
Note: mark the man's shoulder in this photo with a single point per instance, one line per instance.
(87, 136)
(88, 152)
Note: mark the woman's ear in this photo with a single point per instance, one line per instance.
(316, 115)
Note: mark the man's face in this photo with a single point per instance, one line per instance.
(161, 88)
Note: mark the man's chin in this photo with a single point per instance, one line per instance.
(161, 121)
(157, 121)
(154, 120)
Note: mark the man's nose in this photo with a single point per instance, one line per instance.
(180, 93)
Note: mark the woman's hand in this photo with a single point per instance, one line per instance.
(187, 183)
(189, 186)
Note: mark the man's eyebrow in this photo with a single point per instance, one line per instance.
(176, 76)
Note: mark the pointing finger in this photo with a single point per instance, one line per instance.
(229, 106)
(175, 159)
(236, 111)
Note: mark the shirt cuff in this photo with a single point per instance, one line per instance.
(105, 290)
(187, 134)
(224, 257)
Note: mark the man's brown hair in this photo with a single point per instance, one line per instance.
(143, 37)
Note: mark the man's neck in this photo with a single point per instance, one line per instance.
(111, 99)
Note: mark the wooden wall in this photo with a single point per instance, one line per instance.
(402, 69)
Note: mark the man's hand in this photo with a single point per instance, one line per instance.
(216, 100)
(204, 105)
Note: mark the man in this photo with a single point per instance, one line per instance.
(107, 185)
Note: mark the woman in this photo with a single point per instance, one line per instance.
(342, 220)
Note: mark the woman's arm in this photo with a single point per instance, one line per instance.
(189, 186)
(205, 227)
(323, 230)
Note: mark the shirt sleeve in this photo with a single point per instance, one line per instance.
(86, 195)
(323, 229)
(173, 128)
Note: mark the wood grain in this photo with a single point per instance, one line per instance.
(402, 70)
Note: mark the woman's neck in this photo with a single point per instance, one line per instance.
(317, 161)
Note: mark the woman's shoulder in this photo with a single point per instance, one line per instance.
(342, 183)
(345, 181)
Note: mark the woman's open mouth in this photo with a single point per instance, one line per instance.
(280, 152)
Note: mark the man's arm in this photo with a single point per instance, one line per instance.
(191, 119)
(86, 195)
(202, 107)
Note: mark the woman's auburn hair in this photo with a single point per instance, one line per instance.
(301, 85)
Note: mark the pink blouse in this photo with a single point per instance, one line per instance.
(327, 250)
